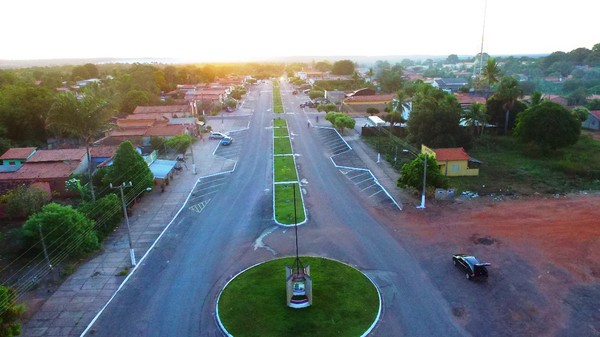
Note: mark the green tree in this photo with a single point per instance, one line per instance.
(65, 230)
(411, 174)
(391, 79)
(84, 72)
(83, 118)
(24, 201)
(315, 93)
(400, 103)
(452, 59)
(129, 166)
(133, 99)
(323, 66)
(394, 118)
(180, 142)
(10, 313)
(370, 73)
(593, 104)
(508, 92)
(106, 212)
(435, 118)
(490, 71)
(476, 116)
(536, 98)
(340, 120)
(23, 111)
(578, 96)
(343, 67)
(548, 125)
(581, 113)
(372, 111)
(326, 107)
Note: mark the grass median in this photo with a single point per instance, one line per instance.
(277, 104)
(285, 168)
(282, 146)
(284, 204)
(254, 304)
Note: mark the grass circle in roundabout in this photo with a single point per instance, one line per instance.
(253, 303)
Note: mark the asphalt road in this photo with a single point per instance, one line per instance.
(174, 292)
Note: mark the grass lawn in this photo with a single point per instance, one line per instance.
(510, 166)
(279, 123)
(284, 204)
(345, 302)
(285, 170)
(282, 146)
(280, 132)
(277, 105)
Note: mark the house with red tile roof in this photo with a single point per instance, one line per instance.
(466, 100)
(453, 162)
(14, 158)
(53, 167)
(166, 110)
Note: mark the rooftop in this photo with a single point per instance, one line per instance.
(456, 153)
(41, 156)
(18, 153)
(163, 108)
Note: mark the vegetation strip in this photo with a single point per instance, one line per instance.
(277, 104)
(346, 301)
(285, 177)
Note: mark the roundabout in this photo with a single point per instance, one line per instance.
(253, 303)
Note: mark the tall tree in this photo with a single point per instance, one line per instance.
(508, 92)
(23, 111)
(434, 120)
(548, 125)
(490, 71)
(83, 118)
(476, 116)
(370, 73)
(343, 67)
(129, 166)
(10, 312)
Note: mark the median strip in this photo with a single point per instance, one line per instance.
(285, 178)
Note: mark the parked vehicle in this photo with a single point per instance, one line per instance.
(217, 135)
(321, 100)
(470, 266)
(226, 140)
(308, 104)
(375, 121)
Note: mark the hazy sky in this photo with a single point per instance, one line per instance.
(237, 30)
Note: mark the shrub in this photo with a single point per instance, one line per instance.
(106, 212)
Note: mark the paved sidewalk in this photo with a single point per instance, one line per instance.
(76, 302)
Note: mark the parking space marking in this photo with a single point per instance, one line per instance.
(199, 207)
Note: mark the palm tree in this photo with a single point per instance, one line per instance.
(370, 73)
(536, 98)
(400, 103)
(491, 72)
(508, 92)
(82, 118)
(476, 116)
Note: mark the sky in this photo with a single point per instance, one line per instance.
(244, 30)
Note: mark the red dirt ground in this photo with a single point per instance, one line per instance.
(557, 239)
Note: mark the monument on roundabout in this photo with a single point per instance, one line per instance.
(297, 276)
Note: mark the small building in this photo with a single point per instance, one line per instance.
(450, 85)
(14, 158)
(360, 104)
(593, 121)
(335, 96)
(453, 162)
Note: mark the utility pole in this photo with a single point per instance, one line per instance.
(131, 251)
(44, 246)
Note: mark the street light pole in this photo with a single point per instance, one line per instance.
(424, 181)
(131, 251)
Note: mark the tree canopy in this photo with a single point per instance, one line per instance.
(10, 312)
(65, 230)
(129, 166)
(411, 174)
(340, 120)
(343, 67)
(549, 125)
(434, 120)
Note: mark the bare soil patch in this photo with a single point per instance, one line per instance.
(545, 255)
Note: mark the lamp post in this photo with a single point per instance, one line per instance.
(121, 187)
(422, 205)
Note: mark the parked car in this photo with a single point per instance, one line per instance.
(470, 266)
(217, 135)
(308, 104)
(226, 140)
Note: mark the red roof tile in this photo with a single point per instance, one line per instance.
(163, 108)
(50, 170)
(457, 153)
(166, 130)
(596, 113)
(128, 132)
(464, 98)
(103, 151)
(130, 123)
(57, 155)
(18, 153)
